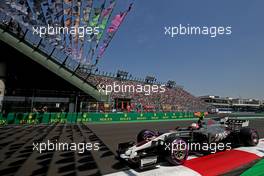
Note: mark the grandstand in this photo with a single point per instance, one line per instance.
(173, 99)
(228, 104)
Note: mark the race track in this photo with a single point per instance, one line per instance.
(18, 158)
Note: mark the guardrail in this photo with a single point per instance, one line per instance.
(247, 115)
(90, 117)
(48, 118)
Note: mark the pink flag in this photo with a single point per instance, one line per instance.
(116, 22)
(102, 49)
(108, 10)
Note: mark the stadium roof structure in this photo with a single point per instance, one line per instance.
(25, 26)
(82, 29)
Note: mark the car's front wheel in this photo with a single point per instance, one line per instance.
(176, 151)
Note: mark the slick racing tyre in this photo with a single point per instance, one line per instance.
(145, 135)
(177, 152)
(249, 137)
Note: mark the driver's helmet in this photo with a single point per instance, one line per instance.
(194, 126)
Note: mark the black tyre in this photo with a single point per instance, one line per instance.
(249, 137)
(145, 135)
(177, 152)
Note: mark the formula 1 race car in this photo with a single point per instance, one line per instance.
(208, 136)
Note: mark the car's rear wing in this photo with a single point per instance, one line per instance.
(236, 124)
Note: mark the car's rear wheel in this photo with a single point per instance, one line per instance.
(249, 137)
(177, 152)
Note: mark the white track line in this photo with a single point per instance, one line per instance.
(257, 150)
(161, 170)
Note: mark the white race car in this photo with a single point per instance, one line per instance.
(174, 145)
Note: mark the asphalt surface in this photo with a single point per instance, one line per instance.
(18, 158)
